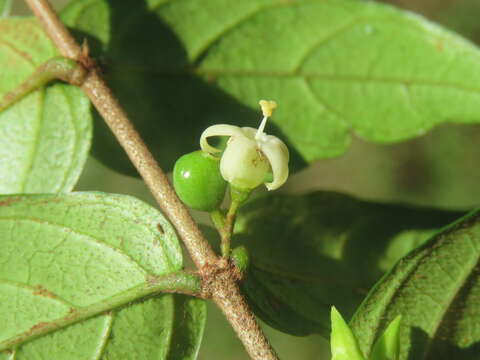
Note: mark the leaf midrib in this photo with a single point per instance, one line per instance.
(154, 285)
(35, 292)
(173, 73)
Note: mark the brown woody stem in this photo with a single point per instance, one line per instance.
(219, 277)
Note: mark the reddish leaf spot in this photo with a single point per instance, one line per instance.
(41, 291)
(38, 326)
(9, 201)
(160, 229)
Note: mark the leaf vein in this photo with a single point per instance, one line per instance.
(36, 291)
(105, 336)
(36, 141)
(25, 56)
(323, 103)
(85, 235)
(234, 24)
(344, 27)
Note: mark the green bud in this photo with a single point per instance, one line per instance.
(240, 258)
(343, 343)
(387, 346)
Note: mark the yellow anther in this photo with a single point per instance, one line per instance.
(267, 107)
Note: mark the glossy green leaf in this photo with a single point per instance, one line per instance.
(436, 290)
(5, 7)
(71, 266)
(343, 344)
(387, 346)
(335, 67)
(312, 251)
(45, 137)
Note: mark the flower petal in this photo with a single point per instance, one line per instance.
(249, 132)
(217, 130)
(243, 164)
(277, 154)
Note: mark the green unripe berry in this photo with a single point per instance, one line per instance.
(198, 181)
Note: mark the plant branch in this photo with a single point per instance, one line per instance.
(116, 118)
(56, 68)
(224, 288)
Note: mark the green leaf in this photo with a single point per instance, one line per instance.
(311, 251)
(188, 329)
(343, 344)
(436, 290)
(45, 137)
(343, 67)
(71, 266)
(5, 8)
(388, 346)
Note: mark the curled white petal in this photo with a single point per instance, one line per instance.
(278, 156)
(217, 130)
(249, 132)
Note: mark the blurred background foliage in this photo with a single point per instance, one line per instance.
(439, 169)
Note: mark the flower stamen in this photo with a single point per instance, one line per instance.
(267, 110)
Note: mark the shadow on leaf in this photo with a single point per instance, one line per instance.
(312, 251)
(147, 67)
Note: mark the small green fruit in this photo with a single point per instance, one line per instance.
(198, 181)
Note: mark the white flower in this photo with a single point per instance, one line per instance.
(250, 154)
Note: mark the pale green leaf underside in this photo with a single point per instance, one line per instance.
(334, 66)
(64, 256)
(436, 290)
(45, 138)
(146, 330)
(329, 250)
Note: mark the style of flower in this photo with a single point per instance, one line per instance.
(250, 154)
